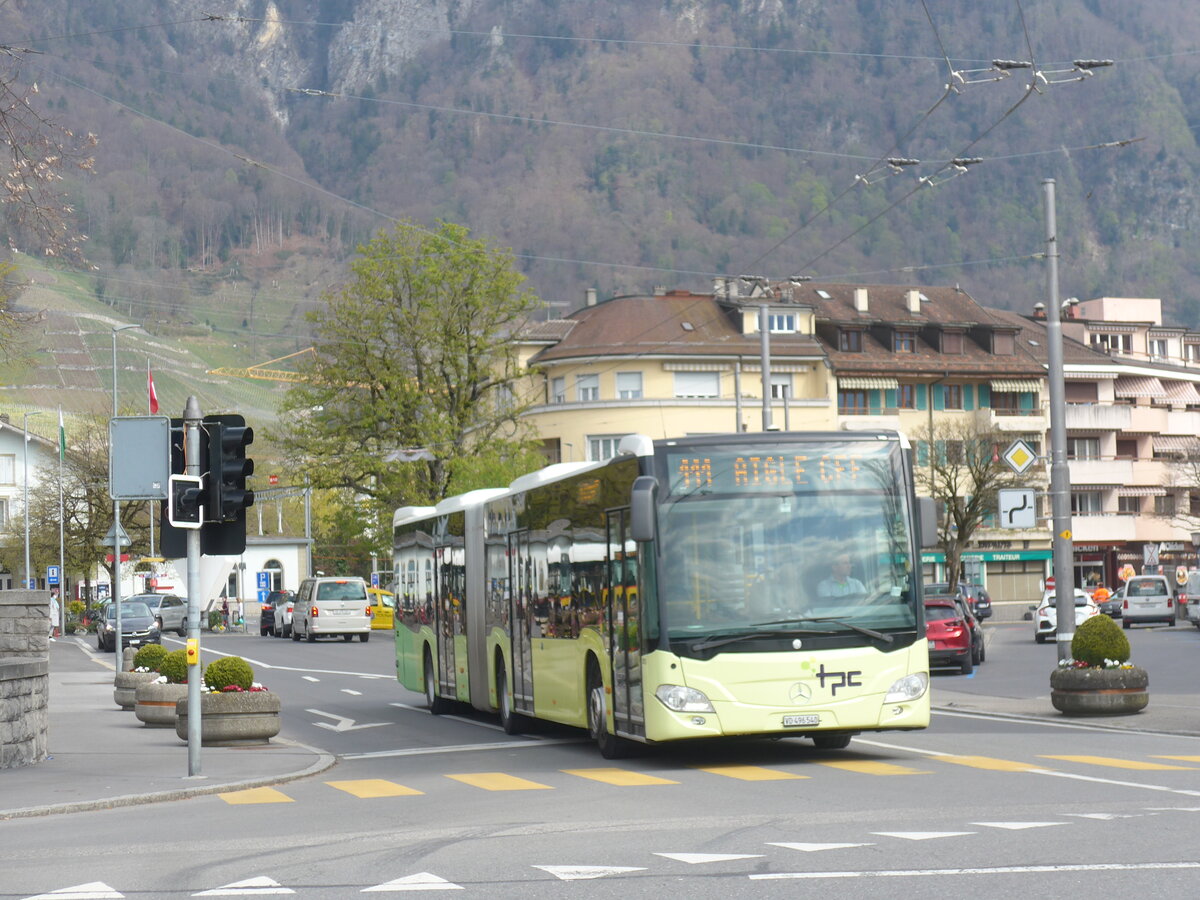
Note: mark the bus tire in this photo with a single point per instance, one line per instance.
(831, 741)
(436, 704)
(610, 746)
(510, 721)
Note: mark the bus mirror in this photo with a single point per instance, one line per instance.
(642, 508)
(927, 514)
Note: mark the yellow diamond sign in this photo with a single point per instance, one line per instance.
(1019, 456)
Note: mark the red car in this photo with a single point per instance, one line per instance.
(949, 635)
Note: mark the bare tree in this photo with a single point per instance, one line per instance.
(958, 465)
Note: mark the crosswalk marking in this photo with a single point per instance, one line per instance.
(498, 781)
(619, 777)
(1114, 763)
(367, 788)
(987, 762)
(255, 795)
(870, 767)
(751, 773)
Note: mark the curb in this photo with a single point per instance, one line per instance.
(323, 762)
(1058, 718)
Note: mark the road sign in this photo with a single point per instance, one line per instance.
(374, 579)
(263, 581)
(107, 541)
(1019, 456)
(140, 460)
(52, 575)
(1018, 508)
(1050, 583)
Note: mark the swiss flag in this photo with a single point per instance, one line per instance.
(153, 395)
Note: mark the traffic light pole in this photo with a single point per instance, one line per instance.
(191, 443)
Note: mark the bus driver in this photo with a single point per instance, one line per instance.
(840, 582)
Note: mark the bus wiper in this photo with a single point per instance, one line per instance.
(751, 635)
(878, 635)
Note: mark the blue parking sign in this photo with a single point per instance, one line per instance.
(52, 574)
(264, 581)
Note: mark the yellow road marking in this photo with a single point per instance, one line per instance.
(987, 762)
(620, 777)
(1181, 758)
(255, 795)
(751, 773)
(1114, 763)
(367, 788)
(866, 767)
(498, 781)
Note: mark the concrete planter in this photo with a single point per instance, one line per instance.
(1099, 692)
(155, 703)
(125, 687)
(250, 717)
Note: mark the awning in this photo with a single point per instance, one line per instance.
(695, 367)
(1141, 492)
(867, 383)
(1087, 374)
(1170, 443)
(1182, 391)
(1129, 386)
(1017, 385)
(1093, 487)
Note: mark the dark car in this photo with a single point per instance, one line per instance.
(1113, 605)
(976, 597)
(948, 634)
(139, 626)
(978, 650)
(983, 600)
(274, 614)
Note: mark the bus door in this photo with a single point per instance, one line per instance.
(626, 626)
(522, 595)
(448, 615)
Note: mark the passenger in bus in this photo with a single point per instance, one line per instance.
(840, 582)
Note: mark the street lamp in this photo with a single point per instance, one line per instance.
(116, 586)
(25, 428)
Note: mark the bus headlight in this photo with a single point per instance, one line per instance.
(910, 687)
(678, 698)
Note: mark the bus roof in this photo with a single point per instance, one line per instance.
(412, 513)
(470, 498)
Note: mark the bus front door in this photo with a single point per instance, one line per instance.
(522, 618)
(626, 626)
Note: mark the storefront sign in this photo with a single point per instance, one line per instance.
(991, 556)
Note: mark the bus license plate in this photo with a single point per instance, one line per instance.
(794, 721)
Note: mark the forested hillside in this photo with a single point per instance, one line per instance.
(620, 144)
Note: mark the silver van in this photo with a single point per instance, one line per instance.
(1193, 598)
(1148, 598)
(331, 607)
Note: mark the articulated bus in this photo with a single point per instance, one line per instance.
(691, 588)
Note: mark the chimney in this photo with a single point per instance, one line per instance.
(590, 296)
(860, 300)
(914, 301)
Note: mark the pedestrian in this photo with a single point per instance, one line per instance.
(55, 611)
(225, 614)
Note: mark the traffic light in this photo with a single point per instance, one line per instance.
(185, 501)
(228, 468)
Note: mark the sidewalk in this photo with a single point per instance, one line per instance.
(101, 756)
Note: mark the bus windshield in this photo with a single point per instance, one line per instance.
(811, 536)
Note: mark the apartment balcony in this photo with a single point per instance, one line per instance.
(1097, 417)
(1183, 421)
(1101, 471)
(1088, 529)
(1148, 419)
(1022, 421)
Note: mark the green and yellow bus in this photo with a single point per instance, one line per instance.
(692, 588)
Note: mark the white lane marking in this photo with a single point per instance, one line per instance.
(310, 678)
(922, 835)
(260, 886)
(814, 848)
(1105, 817)
(93, 890)
(342, 722)
(422, 881)
(422, 709)
(581, 873)
(693, 859)
(1017, 826)
(996, 870)
(463, 748)
(1173, 808)
(351, 693)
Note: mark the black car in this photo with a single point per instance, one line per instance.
(271, 622)
(977, 598)
(139, 626)
(983, 600)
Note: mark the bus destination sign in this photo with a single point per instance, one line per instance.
(828, 468)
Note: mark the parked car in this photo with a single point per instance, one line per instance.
(978, 599)
(138, 626)
(1045, 620)
(169, 609)
(1148, 598)
(331, 607)
(978, 651)
(1113, 605)
(275, 614)
(948, 634)
(383, 609)
(983, 601)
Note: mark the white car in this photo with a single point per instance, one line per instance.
(1045, 620)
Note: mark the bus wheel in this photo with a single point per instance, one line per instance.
(831, 741)
(509, 720)
(436, 704)
(611, 746)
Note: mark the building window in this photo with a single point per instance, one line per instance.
(587, 388)
(1113, 343)
(781, 323)
(698, 384)
(1003, 344)
(629, 385)
(1083, 448)
(952, 342)
(1129, 506)
(1085, 503)
(1081, 392)
(1193, 503)
(904, 341)
(3, 513)
(852, 403)
(603, 446)
(1191, 352)
(8, 468)
(1006, 402)
(954, 396)
(558, 390)
(1158, 348)
(781, 387)
(1164, 505)
(906, 396)
(850, 341)
(1127, 449)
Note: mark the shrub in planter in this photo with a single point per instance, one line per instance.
(1099, 680)
(174, 667)
(229, 671)
(149, 657)
(1098, 641)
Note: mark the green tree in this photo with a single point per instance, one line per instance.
(411, 394)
